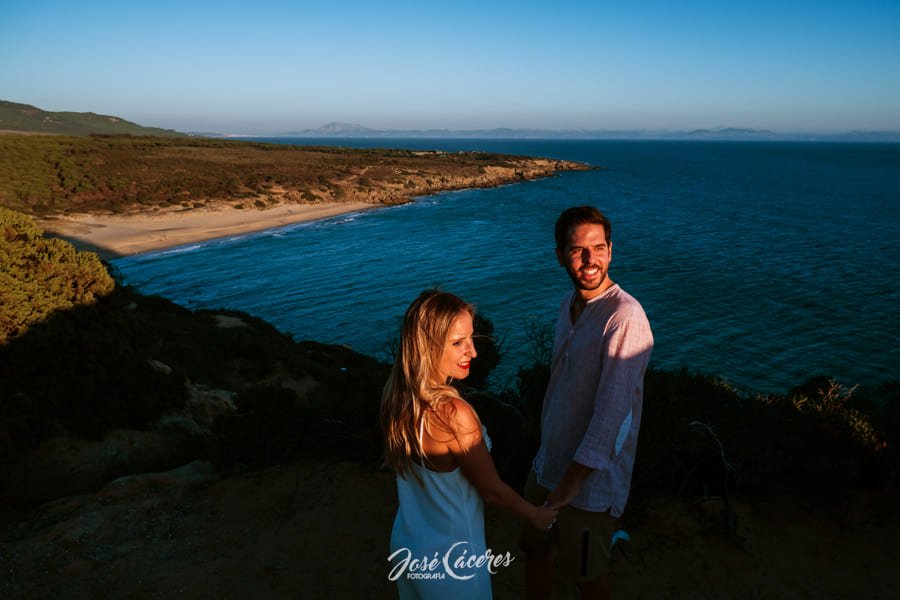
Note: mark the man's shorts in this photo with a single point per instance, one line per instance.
(582, 538)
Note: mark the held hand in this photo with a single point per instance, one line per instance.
(569, 487)
(544, 518)
(564, 493)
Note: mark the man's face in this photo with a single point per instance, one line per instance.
(586, 256)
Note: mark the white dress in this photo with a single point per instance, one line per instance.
(441, 524)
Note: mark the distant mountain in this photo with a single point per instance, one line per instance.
(350, 130)
(337, 129)
(30, 119)
(730, 133)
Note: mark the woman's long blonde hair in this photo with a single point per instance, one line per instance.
(413, 386)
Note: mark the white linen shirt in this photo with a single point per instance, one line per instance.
(592, 408)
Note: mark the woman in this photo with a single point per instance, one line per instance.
(436, 445)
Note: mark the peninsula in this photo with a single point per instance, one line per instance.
(120, 195)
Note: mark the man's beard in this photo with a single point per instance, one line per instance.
(582, 285)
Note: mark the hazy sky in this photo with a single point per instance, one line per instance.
(266, 66)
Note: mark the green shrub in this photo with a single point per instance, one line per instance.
(39, 276)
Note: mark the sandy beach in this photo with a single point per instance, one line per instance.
(113, 236)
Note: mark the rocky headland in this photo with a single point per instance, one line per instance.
(121, 194)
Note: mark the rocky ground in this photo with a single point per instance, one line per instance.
(319, 528)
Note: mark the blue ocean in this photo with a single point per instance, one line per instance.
(760, 263)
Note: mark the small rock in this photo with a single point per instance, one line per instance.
(159, 367)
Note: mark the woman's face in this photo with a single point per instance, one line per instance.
(459, 349)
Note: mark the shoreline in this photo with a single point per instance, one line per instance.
(117, 236)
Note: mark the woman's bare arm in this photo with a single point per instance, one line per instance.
(468, 449)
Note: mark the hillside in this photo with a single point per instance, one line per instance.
(80, 356)
(30, 119)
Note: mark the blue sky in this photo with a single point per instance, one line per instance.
(266, 66)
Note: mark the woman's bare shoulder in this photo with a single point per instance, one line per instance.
(458, 415)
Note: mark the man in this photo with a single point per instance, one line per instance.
(591, 413)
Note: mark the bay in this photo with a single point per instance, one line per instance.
(761, 263)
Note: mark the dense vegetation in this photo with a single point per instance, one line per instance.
(701, 436)
(42, 175)
(26, 118)
(39, 276)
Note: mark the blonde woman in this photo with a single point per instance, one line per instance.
(439, 450)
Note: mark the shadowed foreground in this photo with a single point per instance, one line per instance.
(319, 528)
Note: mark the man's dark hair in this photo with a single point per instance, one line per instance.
(579, 215)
